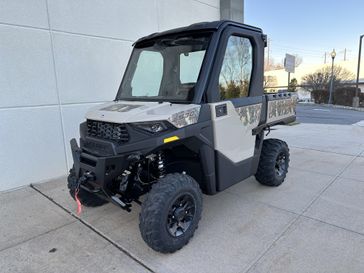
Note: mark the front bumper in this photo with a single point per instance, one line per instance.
(100, 171)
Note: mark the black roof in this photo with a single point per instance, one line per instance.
(203, 26)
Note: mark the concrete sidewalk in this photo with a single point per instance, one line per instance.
(314, 222)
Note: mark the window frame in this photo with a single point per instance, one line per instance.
(256, 82)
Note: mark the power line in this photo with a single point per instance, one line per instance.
(298, 48)
(278, 48)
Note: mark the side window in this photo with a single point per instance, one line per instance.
(190, 64)
(236, 70)
(148, 74)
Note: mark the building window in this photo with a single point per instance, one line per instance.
(236, 70)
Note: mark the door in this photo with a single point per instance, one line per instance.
(236, 114)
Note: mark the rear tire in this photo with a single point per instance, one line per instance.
(87, 199)
(171, 212)
(273, 162)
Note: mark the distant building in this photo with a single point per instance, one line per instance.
(280, 77)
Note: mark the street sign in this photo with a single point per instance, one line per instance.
(290, 63)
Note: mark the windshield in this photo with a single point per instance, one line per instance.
(166, 69)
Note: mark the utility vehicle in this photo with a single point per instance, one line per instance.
(189, 118)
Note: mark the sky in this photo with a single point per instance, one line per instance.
(308, 28)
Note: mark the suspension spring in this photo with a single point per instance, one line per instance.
(161, 164)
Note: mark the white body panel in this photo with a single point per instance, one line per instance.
(233, 132)
(140, 111)
(281, 109)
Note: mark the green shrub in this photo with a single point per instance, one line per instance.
(345, 95)
(320, 96)
(234, 90)
(341, 96)
(292, 86)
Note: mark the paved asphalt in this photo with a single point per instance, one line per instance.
(327, 115)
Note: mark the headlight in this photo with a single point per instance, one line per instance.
(153, 127)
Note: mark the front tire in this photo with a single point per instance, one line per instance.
(273, 162)
(171, 212)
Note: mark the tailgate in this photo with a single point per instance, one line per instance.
(281, 108)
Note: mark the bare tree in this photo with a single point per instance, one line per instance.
(321, 78)
(270, 64)
(237, 60)
(237, 68)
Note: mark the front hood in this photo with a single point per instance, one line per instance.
(179, 115)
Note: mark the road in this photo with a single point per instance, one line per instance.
(327, 115)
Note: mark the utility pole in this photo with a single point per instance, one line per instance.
(325, 58)
(289, 80)
(345, 53)
(356, 98)
(268, 52)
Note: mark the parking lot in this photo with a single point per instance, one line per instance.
(314, 222)
(319, 114)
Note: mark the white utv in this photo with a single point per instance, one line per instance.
(189, 118)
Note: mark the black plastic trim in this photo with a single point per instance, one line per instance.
(240, 102)
(229, 173)
(220, 44)
(203, 26)
(221, 110)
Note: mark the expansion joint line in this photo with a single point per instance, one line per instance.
(102, 235)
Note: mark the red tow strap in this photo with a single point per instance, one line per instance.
(79, 205)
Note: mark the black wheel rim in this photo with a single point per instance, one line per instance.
(180, 215)
(281, 164)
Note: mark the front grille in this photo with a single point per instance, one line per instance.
(108, 131)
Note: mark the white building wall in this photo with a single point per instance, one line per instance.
(60, 57)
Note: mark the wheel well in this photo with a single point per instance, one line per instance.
(182, 159)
